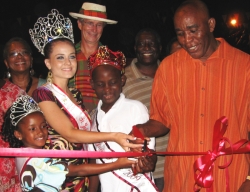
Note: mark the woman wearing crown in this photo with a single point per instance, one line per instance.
(62, 106)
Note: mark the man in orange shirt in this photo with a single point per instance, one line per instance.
(193, 88)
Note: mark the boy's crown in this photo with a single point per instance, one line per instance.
(104, 56)
(53, 26)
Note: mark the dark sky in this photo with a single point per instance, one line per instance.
(130, 14)
(17, 8)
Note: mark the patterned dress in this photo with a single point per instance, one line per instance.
(57, 142)
(9, 181)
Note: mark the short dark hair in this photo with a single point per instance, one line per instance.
(15, 39)
(49, 46)
(148, 30)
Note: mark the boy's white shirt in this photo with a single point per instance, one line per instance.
(120, 118)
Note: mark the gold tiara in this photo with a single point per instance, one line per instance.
(52, 27)
(23, 106)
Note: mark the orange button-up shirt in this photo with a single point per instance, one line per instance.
(188, 96)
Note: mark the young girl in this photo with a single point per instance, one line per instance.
(25, 126)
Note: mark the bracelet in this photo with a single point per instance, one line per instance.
(248, 177)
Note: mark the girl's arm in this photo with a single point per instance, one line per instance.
(57, 119)
(95, 169)
(93, 179)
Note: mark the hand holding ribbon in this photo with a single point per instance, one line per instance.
(145, 163)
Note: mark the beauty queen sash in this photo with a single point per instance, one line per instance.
(138, 182)
(81, 117)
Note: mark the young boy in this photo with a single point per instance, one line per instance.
(115, 113)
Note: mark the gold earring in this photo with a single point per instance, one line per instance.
(49, 77)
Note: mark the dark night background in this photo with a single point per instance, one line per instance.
(17, 16)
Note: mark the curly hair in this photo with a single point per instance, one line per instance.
(8, 130)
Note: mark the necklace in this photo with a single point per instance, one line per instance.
(28, 86)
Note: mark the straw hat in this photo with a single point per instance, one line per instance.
(94, 12)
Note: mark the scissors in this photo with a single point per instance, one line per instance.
(144, 148)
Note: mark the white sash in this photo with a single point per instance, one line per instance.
(139, 182)
(80, 116)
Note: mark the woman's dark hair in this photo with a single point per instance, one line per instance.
(8, 130)
(49, 46)
(15, 39)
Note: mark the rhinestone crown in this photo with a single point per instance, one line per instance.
(23, 106)
(46, 29)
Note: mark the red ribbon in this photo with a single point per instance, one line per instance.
(94, 13)
(203, 166)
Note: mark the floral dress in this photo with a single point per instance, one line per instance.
(57, 142)
(9, 181)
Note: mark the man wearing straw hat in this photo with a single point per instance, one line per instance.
(91, 20)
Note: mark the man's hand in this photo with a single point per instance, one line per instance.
(245, 187)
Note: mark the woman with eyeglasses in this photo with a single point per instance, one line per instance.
(18, 59)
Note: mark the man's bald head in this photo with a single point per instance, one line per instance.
(197, 5)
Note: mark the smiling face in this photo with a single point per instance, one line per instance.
(18, 58)
(32, 130)
(107, 82)
(62, 60)
(194, 31)
(91, 30)
(147, 48)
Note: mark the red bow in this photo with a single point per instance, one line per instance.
(203, 166)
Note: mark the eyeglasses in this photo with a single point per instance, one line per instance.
(90, 24)
(24, 53)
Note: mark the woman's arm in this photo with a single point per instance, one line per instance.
(57, 119)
